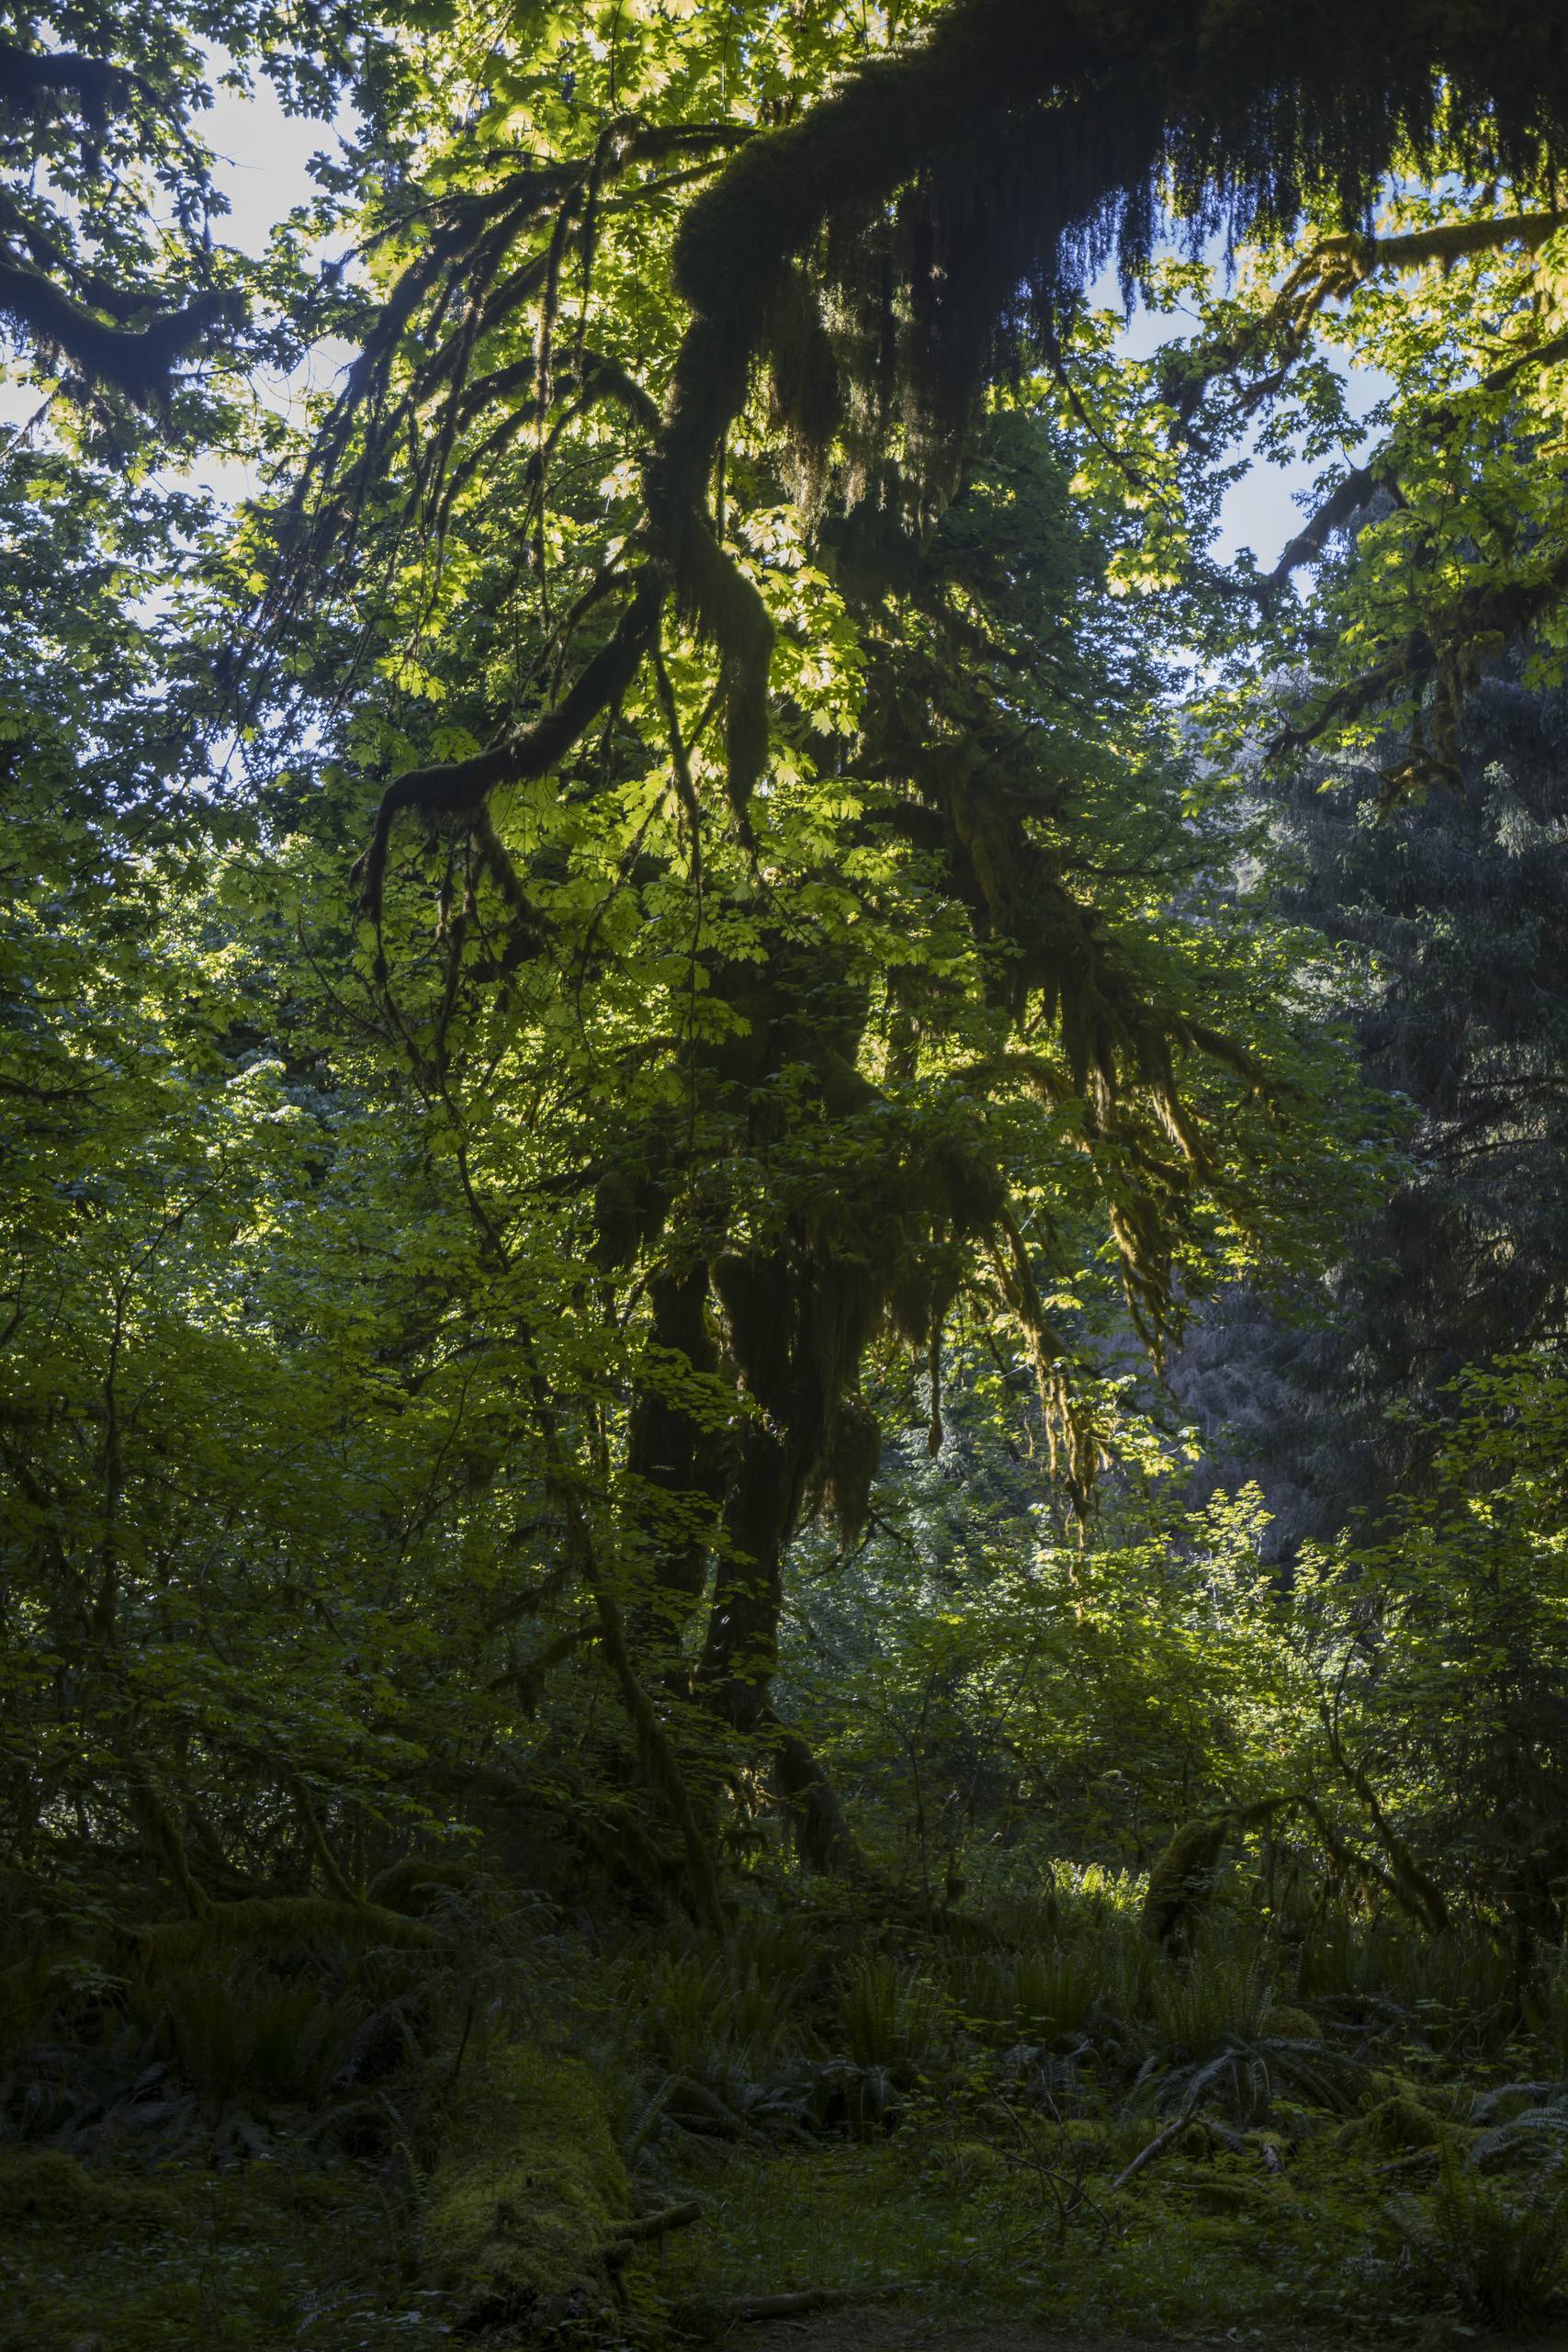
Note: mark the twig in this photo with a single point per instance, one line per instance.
(653, 2225)
(809, 2298)
(1156, 2146)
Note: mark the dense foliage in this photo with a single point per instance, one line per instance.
(782, 1301)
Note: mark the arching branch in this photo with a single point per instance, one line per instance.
(135, 361)
(460, 788)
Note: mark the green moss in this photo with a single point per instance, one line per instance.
(1258, 2257)
(974, 2164)
(46, 2185)
(416, 1885)
(282, 1922)
(1236, 2197)
(1181, 1879)
(262, 2258)
(33, 1987)
(524, 2207)
(1295, 2025)
(1401, 2121)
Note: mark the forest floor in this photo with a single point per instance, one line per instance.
(862, 2331)
(276, 2258)
(173, 2199)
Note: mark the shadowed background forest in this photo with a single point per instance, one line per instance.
(783, 1251)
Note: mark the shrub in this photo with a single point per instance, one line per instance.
(1503, 2247)
(1035, 1996)
(894, 2019)
(240, 2033)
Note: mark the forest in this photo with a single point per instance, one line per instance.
(784, 1261)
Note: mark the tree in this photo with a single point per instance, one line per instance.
(820, 1148)
(1406, 744)
(1441, 1653)
(113, 276)
(818, 946)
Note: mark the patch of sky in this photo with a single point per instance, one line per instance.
(1264, 508)
(262, 166)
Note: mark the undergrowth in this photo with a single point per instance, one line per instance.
(1329, 2123)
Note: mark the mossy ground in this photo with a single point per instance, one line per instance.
(1216, 2245)
(857, 2116)
(262, 2258)
(964, 2227)
(508, 2230)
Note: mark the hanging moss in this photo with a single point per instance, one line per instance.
(909, 234)
(629, 1206)
(138, 362)
(523, 2207)
(855, 1456)
(920, 223)
(1181, 1879)
(807, 382)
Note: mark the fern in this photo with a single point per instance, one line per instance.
(1505, 2251)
